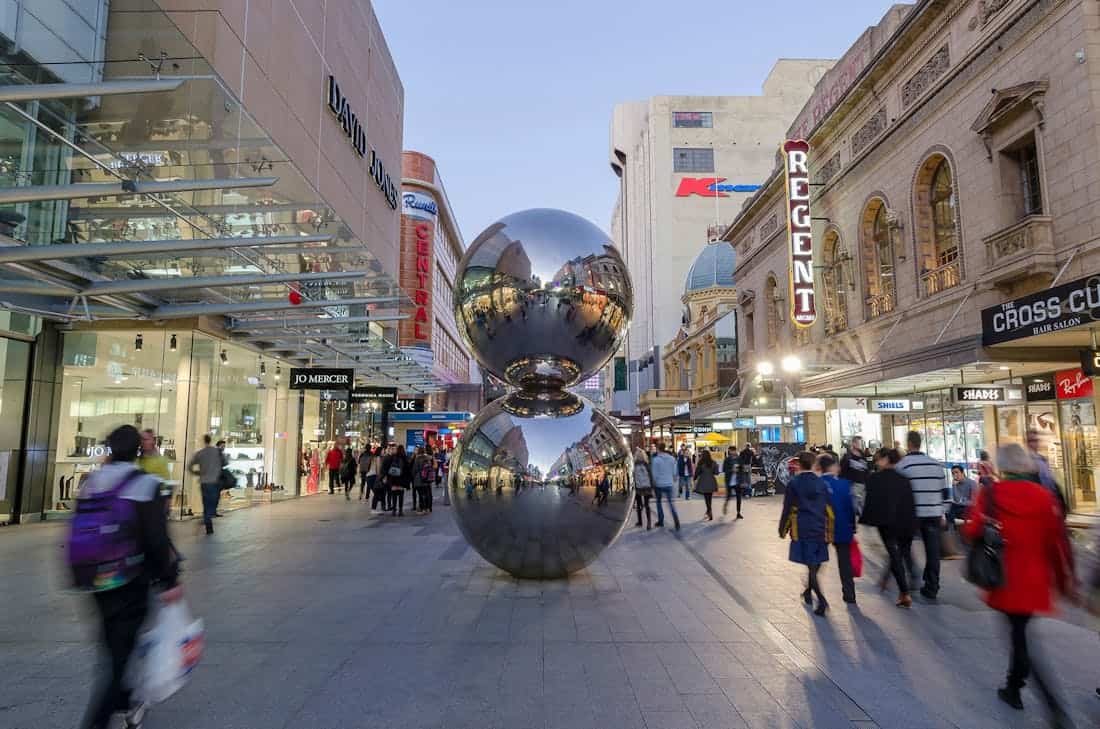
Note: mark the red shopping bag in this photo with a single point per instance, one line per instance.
(857, 559)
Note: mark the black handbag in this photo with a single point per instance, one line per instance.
(984, 564)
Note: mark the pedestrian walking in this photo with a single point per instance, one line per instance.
(643, 487)
(729, 472)
(987, 472)
(807, 519)
(744, 474)
(368, 472)
(1046, 476)
(333, 460)
(843, 500)
(1035, 559)
(121, 516)
(855, 467)
(151, 460)
(348, 468)
(928, 479)
(207, 463)
(685, 470)
(395, 476)
(663, 468)
(706, 480)
(424, 472)
(962, 496)
(889, 506)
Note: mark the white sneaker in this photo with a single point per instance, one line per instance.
(135, 717)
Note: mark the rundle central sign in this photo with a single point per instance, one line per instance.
(800, 241)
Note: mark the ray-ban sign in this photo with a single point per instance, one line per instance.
(321, 379)
(800, 241)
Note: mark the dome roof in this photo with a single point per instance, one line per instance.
(713, 267)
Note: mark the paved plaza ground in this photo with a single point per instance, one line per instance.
(322, 616)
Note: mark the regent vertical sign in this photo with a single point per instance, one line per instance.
(800, 240)
(422, 294)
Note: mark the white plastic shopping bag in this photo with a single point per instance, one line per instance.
(171, 649)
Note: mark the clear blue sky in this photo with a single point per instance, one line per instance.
(513, 98)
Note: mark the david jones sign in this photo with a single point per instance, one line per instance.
(799, 236)
(340, 107)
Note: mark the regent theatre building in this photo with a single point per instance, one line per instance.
(199, 234)
(952, 194)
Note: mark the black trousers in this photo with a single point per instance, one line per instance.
(844, 565)
(425, 497)
(1021, 665)
(397, 501)
(898, 558)
(122, 612)
(733, 488)
(707, 498)
(379, 498)
(333, 480)
(930, 530)
(641, 503)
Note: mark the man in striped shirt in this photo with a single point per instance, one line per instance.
(928, 478)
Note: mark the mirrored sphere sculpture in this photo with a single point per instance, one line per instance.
(543, 298)
(541, 480)
(525, 483)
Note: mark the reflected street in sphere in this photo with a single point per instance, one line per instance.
(525, 483)
(543, 298)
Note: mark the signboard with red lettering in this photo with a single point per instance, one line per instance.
(1072, 384)
(800, 243)
(423, 292)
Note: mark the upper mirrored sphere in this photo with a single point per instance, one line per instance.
(543, 298)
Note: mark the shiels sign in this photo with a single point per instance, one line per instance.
(800, 240)
(1061, 307)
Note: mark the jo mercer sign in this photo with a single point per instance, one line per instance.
(710, 187)
(799, 237)
(321, 379)
(423, 280)
(349, 121)
(1061, 307)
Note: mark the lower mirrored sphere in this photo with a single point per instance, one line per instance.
(541, 483)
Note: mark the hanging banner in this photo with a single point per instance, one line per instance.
(799, 235)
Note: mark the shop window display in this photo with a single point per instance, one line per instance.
(15, 365)
(1082, 464)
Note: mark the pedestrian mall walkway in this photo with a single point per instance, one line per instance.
(322, 616)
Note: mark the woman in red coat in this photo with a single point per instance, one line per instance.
(1036, 560)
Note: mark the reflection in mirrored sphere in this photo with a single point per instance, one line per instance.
(526, 483)
(543, 298)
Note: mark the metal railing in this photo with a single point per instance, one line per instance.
(940, 279)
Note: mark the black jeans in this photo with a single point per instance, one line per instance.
(897, 558)
(641, 503)
(333, 480)
(1021, 666)
(425, 497)
(122, 612)
(930, 531)
(707, 498)
(211, 494)
(844, 565)
(397, 501)
(379, 499)
(733, 488)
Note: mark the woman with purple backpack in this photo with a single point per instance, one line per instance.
(119, 550)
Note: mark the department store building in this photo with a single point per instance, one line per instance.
(194, 203)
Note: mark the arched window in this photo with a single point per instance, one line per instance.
(937, 226)
(772, 302)
(833, 280)
(878, 260)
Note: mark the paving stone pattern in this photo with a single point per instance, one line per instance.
(322, 616)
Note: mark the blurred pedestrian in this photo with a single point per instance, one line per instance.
(685, 470)
(207, 463)
(663, 467)
(928, 479)
(730, 469)
(368, 471)
(643, 487)
(855, 467)
(395, 477)
(348, 467)
(333, 460)
(424, 472)
(706, 480)
(987, 472)
(126, 506)
(151, 460)
(1046, 476)
(842, 500)
(1035, 558)
(808, 519)
(889, 506)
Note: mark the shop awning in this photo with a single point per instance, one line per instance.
(163, 198)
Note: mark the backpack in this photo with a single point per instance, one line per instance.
(427, 471)
(103, 547)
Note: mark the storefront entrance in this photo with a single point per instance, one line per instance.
(15, 498)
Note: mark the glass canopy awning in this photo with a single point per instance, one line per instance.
(154, 195)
